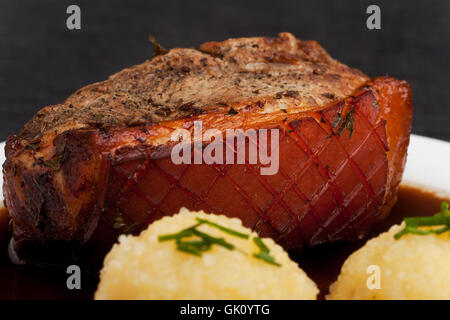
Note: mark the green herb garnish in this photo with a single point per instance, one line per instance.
(346, 122)
(203, 242)
(336, 120)
(195, 242)
(224, 229)
(182, 234)
(413, 224)
(264, 253)
(260, 244)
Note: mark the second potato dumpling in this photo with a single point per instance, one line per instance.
(410, 268)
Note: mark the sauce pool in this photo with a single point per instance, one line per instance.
(321, 263)
(4, 222)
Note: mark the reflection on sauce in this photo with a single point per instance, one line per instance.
(322, 263)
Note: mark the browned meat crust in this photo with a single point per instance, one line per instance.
(184, 82)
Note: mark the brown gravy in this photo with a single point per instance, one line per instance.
(3, 222)
(322, 263)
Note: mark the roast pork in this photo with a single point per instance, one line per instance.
(102, 159)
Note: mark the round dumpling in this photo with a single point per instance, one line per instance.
(412, 267)
(145, 267)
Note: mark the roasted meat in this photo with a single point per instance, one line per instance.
(101, 160)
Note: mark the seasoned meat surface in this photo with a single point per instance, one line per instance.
(284, 72)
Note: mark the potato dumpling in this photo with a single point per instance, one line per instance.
(143, 267)
(412, 267)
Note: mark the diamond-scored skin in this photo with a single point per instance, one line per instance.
(74, 174)
(329, 186)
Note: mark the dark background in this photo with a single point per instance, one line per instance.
(42, 62)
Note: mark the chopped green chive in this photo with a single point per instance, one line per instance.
(212, 240)
(267, 258)
(182, 234)
(264, 253)
(203, 241)
(224, 229)
(195, 247)
(260, 244)
(439, 219)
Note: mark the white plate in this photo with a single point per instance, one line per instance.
(427, 164)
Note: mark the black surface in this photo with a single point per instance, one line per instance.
(41, 62)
